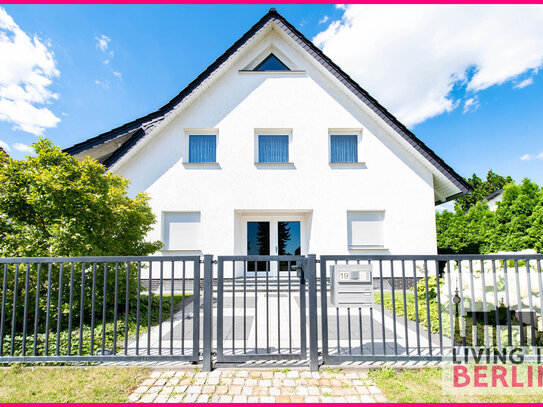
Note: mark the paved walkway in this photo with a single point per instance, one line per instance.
(257, 386)
(272, 323)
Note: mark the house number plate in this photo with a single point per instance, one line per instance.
(344, 276)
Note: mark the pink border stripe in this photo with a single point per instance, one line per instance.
(268, 2)
(271, 404)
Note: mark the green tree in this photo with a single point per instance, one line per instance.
(52, 204)
(516, 226)
(3, 157)
(535, 231)
(481, 189)
(517, 223)
(467, 233)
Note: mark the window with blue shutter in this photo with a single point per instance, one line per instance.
(202, 149)
(273, 149)
(344, 149)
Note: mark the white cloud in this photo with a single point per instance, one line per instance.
(411, 57)
(324, 19)
(340, 6)
(471, 105)
(524, 83)
(5, 146)
(27, 69)
(23, 147)
(110, 54)
(103, 85)
(27, 117)
(528, 157)
(102, 42)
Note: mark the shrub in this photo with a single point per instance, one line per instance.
(52, 204)
(432, 289)
(67, 340)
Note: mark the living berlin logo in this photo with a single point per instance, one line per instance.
(481, 365)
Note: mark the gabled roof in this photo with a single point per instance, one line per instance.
(138, 128)
(494, 194)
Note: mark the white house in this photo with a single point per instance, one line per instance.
(493, 199)
(273, 149)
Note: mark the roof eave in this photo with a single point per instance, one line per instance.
(138, 123)
(326, 62)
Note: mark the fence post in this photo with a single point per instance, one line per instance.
(208, 312)
(311, 273)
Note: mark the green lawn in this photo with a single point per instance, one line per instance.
(69, 384)
(424, 386)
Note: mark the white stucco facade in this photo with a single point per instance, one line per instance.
(308, 105)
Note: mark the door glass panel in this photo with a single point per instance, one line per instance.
(258, 243)
(288, 241)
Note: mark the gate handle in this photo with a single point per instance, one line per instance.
(300, 272)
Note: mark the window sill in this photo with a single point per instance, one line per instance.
(272, 72)
(275, 165)
(359, 164)
(367, 247)
(183, 252)
(202, 165)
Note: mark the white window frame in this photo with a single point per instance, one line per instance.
(346, 132)
(199, 132)
(197, 246)
(273, 219)
(272, 49)
(377, 245)
(273, 132)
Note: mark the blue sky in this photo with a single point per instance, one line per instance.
(106, 65)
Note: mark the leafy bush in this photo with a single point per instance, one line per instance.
(422, 317)
(412, 314)
(53, 205)
(432, 289)
(515, 225)
(109, 334)
(96, 282)
(481, 189)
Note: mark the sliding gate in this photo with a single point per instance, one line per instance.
(261, 308)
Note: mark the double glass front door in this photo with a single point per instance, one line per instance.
(267, 238)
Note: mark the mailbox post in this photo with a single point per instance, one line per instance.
(351, 286)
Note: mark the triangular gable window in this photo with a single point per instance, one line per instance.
(271, 63)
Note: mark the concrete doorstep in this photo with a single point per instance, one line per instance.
(257, 386)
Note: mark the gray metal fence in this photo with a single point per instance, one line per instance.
(431, 308)
(379, 333)
(99, 308)
(423, 308)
